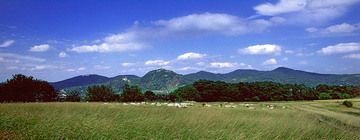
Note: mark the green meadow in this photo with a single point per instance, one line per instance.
(323, 119)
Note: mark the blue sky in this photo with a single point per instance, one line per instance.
(55, 40)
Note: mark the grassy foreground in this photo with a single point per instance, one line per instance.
(287, 120)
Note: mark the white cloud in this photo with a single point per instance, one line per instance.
(200, 63)
(157, 63)
(271, 61)
(42, 67)
(336, 29)
(123, 42)
(12, 56)
(214, 23)
(245, 66)
(222, 65)
(7, 43)
(353, 56)
(62, 54)
(188, 68)
(342, 28)
(340, 48)
(40, 48)
(134, 38)
(126, 64)
(190, 56)
(306, 11)
(283, 6)
(261, 49)
(70, 70)
(81, 69)
(311, 29)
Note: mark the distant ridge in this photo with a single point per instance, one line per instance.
(163, 80)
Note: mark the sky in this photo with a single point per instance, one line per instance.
(55, 40)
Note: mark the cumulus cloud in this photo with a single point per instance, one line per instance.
(306, 11)
(190, 25)
(40, 48)
(271, 61)
(62, 54)
(261, 49)
(190, 56)
(214, 23)
(283, 6)
(222, 65)
(340, 48)
(7, 43)
(157, 63)
(122, 42)
(353, 56)
(335, 29)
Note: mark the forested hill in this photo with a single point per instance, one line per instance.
(165, 80)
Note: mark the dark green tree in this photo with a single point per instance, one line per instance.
(73, 96)
(21, 88)
(149, 96)
(131, 94)
(100, 93)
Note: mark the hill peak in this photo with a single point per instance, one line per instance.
(283, 69)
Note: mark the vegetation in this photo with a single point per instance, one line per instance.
(132, 94)
(100, 93)
(287, 120)
(348, 103)
(22, 88)
(73, 96)
(212, 91)
(26, 89)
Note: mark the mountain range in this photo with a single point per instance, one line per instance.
(164, 81)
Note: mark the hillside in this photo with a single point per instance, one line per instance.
(162, 80)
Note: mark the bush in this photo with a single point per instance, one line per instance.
(324, 96)
(347, 103)
(344, 95)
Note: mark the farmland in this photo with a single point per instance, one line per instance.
(322, 119)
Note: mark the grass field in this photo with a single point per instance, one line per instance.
(287, 120)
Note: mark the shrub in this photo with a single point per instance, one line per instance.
(347, 103)
(324, 96)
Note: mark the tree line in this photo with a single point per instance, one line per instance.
(22, 88)
(210, 91)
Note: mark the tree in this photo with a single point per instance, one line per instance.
(188, 93)
(324, 96)
(149, 96)
(21, 88)
(100, 93)
(131, 94)
(73, 96)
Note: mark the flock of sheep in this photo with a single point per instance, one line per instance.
(189, 104)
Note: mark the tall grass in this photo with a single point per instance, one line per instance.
(115, 121)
